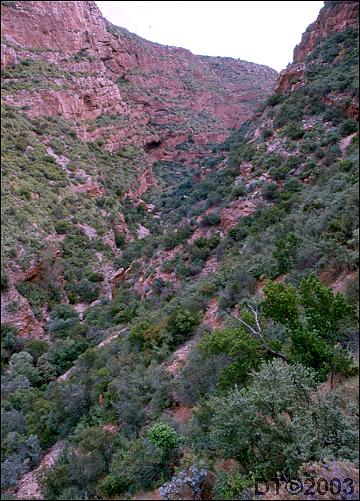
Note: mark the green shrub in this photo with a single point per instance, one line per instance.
(87, 291)
(164, 437)
(273, 100)
(120, 241)
(62, 227)
(270, 191)
(95, 276)
(4, 282)
(212, 219)
(233, 485)
(64, 312)
(182, 323)
(294, 131)
(266, 133)
(286, 252)
(279, 173)
(36, 295)
(134, 468)
(172, 239)
(348, 127)
(147, 335)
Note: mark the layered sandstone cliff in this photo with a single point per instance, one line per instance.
(334, 17)
(121, 88)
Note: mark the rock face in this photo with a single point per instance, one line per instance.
(188, 484)
(121, 88)
(334, 17)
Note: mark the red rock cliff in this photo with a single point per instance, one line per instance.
(334, 17)
(121, 88)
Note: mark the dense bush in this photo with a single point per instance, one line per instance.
(212, 219)
(119, 241)
(286, 252)
(136, 467)
(4, 282)
(243, 351)
(165, 438)
(171, 240)
(182, 324)
(294, 131)
(348, 127)
(280, 393)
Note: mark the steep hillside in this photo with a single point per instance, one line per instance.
(183, 344)
(89, 110)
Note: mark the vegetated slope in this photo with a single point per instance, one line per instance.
(88, 110)
(244, 235)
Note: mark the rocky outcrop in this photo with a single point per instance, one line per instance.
(350, 109)
(119, 276)
(333, 17)
(90, 189)
(289, 78)
(58, 26)
(15, 308)
(188, 484)
(211, 315)
(16, 311)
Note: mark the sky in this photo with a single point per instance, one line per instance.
(262, 32)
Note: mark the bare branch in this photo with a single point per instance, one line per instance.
(257, 333)
(251, 329)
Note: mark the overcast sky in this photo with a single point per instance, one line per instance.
(260, 32)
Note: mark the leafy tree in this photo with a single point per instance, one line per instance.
(36, 348)
(64, 351)
(324, 310)
(281, 304)
(23, 363)
(10, 342)
(312, 316)
(244, 351)
(12, 420)
(147, 335)
(11, 470)
(286, 252)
